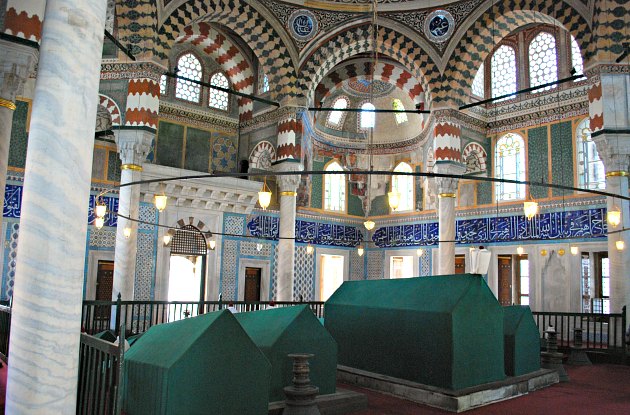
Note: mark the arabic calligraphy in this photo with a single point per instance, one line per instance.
(303, 25)
(312, 232)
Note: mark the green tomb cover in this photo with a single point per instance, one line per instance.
(444, 331)
(522, 341)
(200, 365)
(106, 335)
(280, 331)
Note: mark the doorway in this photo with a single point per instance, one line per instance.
(460, 264)
(104, 288)
(252, 284)
(505, 279)
(330, 275)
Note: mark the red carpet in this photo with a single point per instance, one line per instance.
(594, 389)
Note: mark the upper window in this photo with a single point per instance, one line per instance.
(478, 82)
(543, 64)
(404, 186)
(335, 117)
(367, 117)
(219, 99)
(397, 105)
(510, 165)
(335, 189)
(163, 84)
(263, 83)
(591, 171)
(576, 57)
(189, 67)
(503, 71)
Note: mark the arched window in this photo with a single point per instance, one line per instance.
(543, 64)
(509, 164)
(265, 84)
(219, 99)
(335, 117)
(503, 71)
(163, 84)
(189, 67)
(404, 186)
(576, 57)
(397, 105)
(478, 88)
(366, 116)
(335, 189)
(591, 171)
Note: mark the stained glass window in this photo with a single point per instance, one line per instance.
(503, 71)
(510, 165)
(591, 171)
(335, 189)
(397, 105)
(543, 65)
(163, 83)
(404, 186)
(478, 83)
(189, 67)
(576, 57)
(367, 117)
(335, 117)
(219, 99)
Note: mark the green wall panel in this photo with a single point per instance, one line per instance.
(355, 205)
(484, 189)
(19, 135)
(197, 150)
(113, 166)
(562, 156)
(317, 185)
(169, 144)
(380, 206)
(537, 156)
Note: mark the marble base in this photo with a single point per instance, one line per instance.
(341, 402)
(454, 401)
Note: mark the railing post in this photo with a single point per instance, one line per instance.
(118, 306)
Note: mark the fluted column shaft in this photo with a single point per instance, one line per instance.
(46, 316)
(286, 246)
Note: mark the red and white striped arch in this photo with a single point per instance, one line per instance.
(229, 57)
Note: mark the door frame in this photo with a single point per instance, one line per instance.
(318, 259)
(92, 270)
(265, 266)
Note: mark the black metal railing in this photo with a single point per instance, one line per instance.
(138, 316)
(5, 329)
(100, 364)
(599, 331)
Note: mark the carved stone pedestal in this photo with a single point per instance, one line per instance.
(301, 396)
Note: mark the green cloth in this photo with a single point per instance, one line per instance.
(522, 341)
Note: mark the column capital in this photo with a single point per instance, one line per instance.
(17, 63)
(614, 150)
(288, 184)
(447, 186)
(133, 147)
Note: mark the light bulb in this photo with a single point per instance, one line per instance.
(127, 232)
(574, 250)
(394, 199)
(259, 247)
(561, 251)
(212, 244)
(100, 210)
(369, 224)
(166, 239)
(543, 252)
(360, 251)
(530, 209)
(309, 249)
(264, 199)
(520, 250)
(613, 217)
(160, 202)
(420, 251)
(620, 244)
(99, 222)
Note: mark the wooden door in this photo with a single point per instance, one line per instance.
(252, 284)
(460, 264)
(104, 287)
(505, 280)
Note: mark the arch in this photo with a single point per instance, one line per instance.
(366, 119)
(268, 44)
(398, 106)
(232, 61)
(591, 171)
(542, 52)
(334, 188)
(262, 156)
(355, 40)
(112, 107)
(475, 158)
(509, 163)
(219, 99)
(384, 71)
(405, 187)
(472, 44)
(188, 240)
(190, 66)
(335, 119)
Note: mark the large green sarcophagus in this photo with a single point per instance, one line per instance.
(522, 341)
(444, 331)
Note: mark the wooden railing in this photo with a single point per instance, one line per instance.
(139, 316)
(604, 332)
(100, 365)
(5, 328)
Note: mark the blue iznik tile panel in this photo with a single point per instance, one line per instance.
(357, 266)
(585, 223)
(10, 256)
(375, 264)
(317, 233)
(303, 281)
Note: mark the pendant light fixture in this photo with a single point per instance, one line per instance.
(420, 251)
(369, 224)
(264, 196)
(520, 250)
(309, 249)
(394, 199)
(574, 250)
(360, 250)
(613, 216)
(160, 200)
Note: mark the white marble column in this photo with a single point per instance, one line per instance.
(447, 194)
(46, 321)
(619, 261)
(133, 147)
(286, 247)
(14, 69)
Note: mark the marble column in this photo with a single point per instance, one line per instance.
(286, 247)
(133, 147)
(46, 320)
(14, 70)
(447, 194)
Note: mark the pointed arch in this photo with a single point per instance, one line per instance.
(334, 188)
